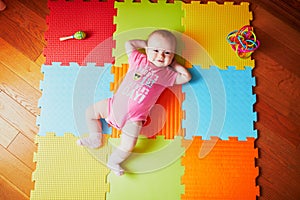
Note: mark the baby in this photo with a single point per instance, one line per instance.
(147, 77)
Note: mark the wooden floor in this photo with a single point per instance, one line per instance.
(277, 71)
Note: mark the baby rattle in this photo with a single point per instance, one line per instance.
(79, 35)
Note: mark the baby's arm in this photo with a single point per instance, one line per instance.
(183, 76)
(132, 45)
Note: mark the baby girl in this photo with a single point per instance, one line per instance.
(147, 77)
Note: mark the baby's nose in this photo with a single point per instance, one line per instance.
(161, 54)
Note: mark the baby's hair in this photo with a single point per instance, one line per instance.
(164, 33)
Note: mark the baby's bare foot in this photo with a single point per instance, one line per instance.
(116, 168)
(92, 141)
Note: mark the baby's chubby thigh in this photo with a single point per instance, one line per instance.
(130, 133)
(98, 110)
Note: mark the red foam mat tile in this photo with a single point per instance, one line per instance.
(93, 17)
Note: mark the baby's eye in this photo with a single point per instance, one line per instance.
(167, 53)
(155, 50)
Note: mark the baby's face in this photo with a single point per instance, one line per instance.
(160, 51)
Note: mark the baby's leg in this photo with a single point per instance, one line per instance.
(129, 137)
(93, 115)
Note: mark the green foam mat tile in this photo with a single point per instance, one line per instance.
(154, 171)
(136, 20)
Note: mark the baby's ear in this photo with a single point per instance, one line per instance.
(174, 60)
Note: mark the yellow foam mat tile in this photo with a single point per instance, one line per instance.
(65, 170)
(154, 171)
(167, 120)
(227, 171)
(209, 24)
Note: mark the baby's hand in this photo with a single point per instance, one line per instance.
(183, 76)
(132, 45)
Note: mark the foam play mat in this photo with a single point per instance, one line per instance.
(199, 140)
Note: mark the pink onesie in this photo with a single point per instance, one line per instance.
(139, 90)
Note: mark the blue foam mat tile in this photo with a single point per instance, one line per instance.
(66, 93)
(224, 102)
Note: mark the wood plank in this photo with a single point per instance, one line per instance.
(279, 53)
(278, 94)
(18, 116)
(277, 123)
(23, 149)
(7, 133)
(278, 42)
(15, 171)
(34, 24)
(29, 46)
(282, 90)
(9, 191)
(20, 64)
(19, 90)
(288, 33)
(287, 111)
(287, 106)
(40, 60)
(39, 7)
(288, 11)
(279, 166)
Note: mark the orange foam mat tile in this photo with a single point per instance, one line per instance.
(228, 171)
(165, 117)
